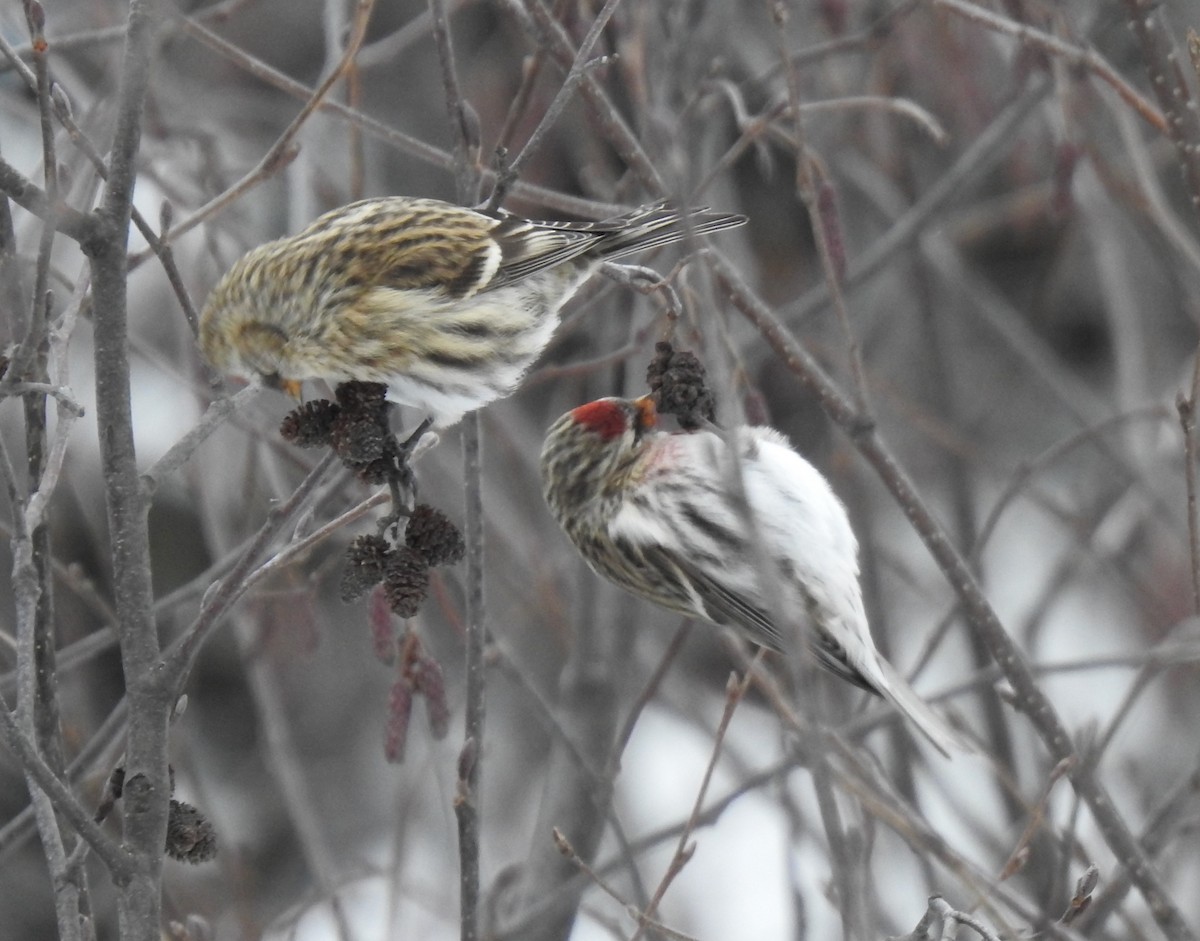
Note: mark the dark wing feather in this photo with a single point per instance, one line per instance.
(832, 657)
(404, 245)
(459, 262)
(529, 247)
(420, 244)
(636, 568)
(723, 606)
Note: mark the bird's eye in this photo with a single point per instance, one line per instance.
(273, 380)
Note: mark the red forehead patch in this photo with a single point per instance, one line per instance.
(604, 417)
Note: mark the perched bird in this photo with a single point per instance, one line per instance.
(448, 306)
(654, 512)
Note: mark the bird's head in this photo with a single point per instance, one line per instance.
(589, 451)
(238, 340)
(615, 422)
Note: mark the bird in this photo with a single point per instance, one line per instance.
(657, 513)
(448, 306)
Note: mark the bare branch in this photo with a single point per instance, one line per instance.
(1074, 55)
(1029, 697)
(119, 862)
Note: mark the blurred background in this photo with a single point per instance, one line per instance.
(1019, 267)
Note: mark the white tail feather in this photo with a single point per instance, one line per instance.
(894, 688)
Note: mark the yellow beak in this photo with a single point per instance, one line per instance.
(293, 388)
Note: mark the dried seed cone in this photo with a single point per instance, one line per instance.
(432, 533)
(358, 439)
(376, 473)
(383, 631)
(363, 398)
(406, 581)
(310, 425)
(366, 565)
(430, 682)
(190, 836)
(678, 386)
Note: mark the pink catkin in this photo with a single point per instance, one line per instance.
(831, 228)
(383, 629)
(430, 682)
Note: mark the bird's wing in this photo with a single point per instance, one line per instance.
(832, 656)
(686, 559)
(719, 604)
(529, 247)
(407, 244)
(695, 536)
(805, 527)
(404, 245)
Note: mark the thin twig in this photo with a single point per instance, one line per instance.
(815, 190)
(75, 224)
(1029, 696)
(983, 153)
(281, 758)
(1023, 475)
(106, 35)
(650, 689)
(1162, 824)
(218, 412)
(37, 680)
(26, 194)
(1159, 207)
(179, 658)
(947, 914)
(1149, 671)
(100, 751)
(1174, 95)
(531, 71)
(1186, 406)
(62, 111)
(867, 39)
(464, 124)
(610, 123)
(1074, 55)
(574, 76)
(1020, 851)
(467, 799)
(139, 899)
(644, 920)
(119, 862)
(735, 691)
(587, 367)
(899, 106)
(283, 151)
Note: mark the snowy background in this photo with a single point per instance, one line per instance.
(1026, 322)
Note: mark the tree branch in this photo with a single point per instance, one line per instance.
(1029, 697)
